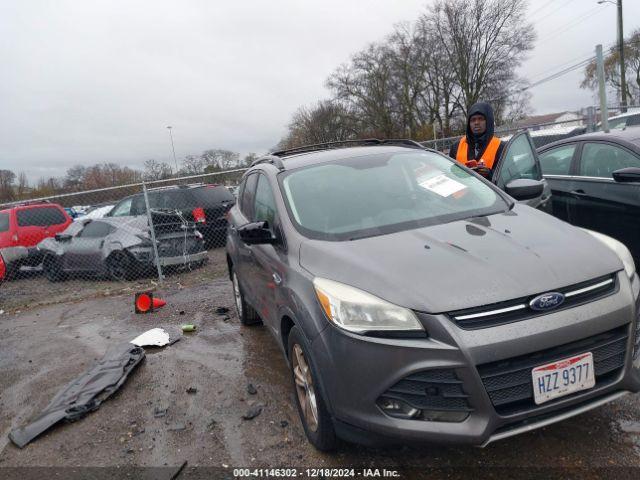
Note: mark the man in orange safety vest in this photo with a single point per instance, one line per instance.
(479, 148)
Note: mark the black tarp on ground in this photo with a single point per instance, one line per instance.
(85, 393)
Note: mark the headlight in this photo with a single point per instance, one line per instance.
(621, 250)
(360, 312)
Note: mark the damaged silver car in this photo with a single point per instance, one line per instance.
(121, 248)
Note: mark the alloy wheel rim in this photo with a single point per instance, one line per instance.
(236, 294)
(304, 388)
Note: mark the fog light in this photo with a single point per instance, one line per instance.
(397, 408)
(443, 416)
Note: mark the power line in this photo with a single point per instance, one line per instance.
(574, 23)
(542, 8)
(564, 4)
(608, 49)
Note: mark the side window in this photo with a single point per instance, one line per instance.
(40, 217)
(96, 230)
(633, 120)
(618, 123)
(138, 206)
(602, 159)
(248, 195)
(123, 209)
(519, 161)
(264, 204)
(4, 222)
(557, 161)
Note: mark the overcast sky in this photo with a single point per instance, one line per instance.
(88, 81)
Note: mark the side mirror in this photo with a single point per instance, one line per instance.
(524, 189)
(63, 237)
(256, 233)
(626, 175)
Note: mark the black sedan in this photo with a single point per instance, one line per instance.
(595, 183)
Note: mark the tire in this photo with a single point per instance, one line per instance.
(52, 268)
(246, 314)
(11, 271)
(120, 266)
(312, 410)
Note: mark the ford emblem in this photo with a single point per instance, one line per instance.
(546, 301)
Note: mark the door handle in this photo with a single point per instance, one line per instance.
(579, 193)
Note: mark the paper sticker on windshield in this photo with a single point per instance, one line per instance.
(442, 185)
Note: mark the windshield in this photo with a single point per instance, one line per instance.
(384, 193)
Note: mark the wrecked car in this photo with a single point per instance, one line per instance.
(417, 301)
(121, 248)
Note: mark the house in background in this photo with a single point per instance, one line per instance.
(547, 128)
(560, 119)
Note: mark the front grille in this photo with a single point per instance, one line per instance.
(519, 309)
(509, 382)
(431, 390)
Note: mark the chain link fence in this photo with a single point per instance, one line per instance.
(124, 237)
(568, 125)
(541, 134)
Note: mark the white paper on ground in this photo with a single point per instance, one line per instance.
(156, 337)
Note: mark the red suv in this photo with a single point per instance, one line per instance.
(2, 269)
(24, 226)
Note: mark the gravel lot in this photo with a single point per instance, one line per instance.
(50, 333)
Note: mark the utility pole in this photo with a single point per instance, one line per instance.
(620, 31)
(173, 148)
(604, 111)
(623, 80)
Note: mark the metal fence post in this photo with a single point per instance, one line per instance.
(153, 232)
(604, 111)
(591, 119)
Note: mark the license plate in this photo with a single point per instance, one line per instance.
(562, 378)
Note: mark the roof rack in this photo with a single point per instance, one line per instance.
(348, 143)
(272, 159)
(168, 187)
(27, 203)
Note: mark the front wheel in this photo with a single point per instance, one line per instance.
(120, 267)
(313, 412)
(52, 267)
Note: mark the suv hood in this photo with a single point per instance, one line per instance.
(467, 263)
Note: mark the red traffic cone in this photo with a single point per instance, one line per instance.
(145, 302)
(158, 302)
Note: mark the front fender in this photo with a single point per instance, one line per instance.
(50, 246)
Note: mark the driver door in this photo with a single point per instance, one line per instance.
(84, 250)
(520, 160)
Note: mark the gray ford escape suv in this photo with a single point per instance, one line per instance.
(416, 301)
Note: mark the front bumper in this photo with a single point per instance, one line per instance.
(357, 370)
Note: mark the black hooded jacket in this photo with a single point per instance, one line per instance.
(478, 144)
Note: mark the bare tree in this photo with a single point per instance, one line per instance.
(154, 170)
(326, 121)
(23, 185)
(248, 160)
(612, 68)
(216, 160)
(365, 87)
(7, 177)
(193, 165)
(486, 41)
